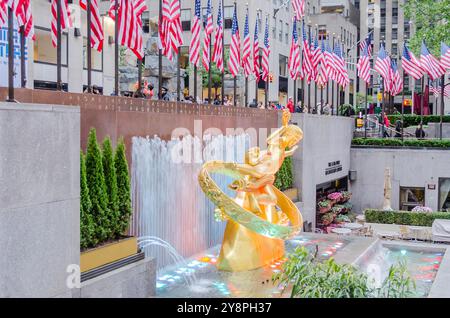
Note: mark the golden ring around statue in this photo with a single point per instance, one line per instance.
(242, 216)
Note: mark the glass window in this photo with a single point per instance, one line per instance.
(186, 19)
(228, 15)
(97, 58)
(280, 32)
(410, 197)
(444, 194)
(146, 22)
(286, 33)
(44, 52)
(283, 65)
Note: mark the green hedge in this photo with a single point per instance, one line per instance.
(397, 142)
(414, 120)
(284, 178)
(404, 217)
(105, 207)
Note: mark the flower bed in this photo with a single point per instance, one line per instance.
(404, 217)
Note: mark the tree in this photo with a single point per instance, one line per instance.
(87, 228)
(123, 184)
(97, 187)
(109, 171)
(430, 18)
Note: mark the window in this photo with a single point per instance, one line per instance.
(97, 58)
(280, 32)
(444, 194)
(283, 65)
(228, 16)
(322, 31)
(44, 52)
(410, 197)
(286, 33)
(186, 19)
(274, 28)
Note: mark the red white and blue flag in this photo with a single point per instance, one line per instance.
(218, 45)
(209, 28)
(329, 60)
(383, 63)
(3, 13)
(307, 64)
(247, 51)
(322, 77)
(194, 48)
(342, 77)
(445, 56)
(364, 65)
(66, 21)
(367, 43)
(235, 47)
(430, 64)
(395, 80)
(96, 24)
(266, 53)
(256, 61)
(294, 55)
(316, 58)
(299, 8)
(410, 64)
(170, 32)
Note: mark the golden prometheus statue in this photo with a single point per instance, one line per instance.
(261, 217)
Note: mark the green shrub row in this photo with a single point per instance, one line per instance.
(404, 217)
(414, 120)
(284, 178)
(429, 143)
(105, 203)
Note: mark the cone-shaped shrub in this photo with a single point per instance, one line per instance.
(123, 186)
(87, 228)
(109, 170)
(97, 187)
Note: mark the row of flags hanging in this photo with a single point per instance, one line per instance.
(412, 66)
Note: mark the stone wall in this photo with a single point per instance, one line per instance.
(39, 198)
(409, 168)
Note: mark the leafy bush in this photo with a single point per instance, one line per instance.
(284, 178)
(311, 279)
(414, 120)
(430, 143)
(97, 188)
(123, 184)
(87, 228)
(404, 217)
(109, 171)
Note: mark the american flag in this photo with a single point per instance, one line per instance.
(23, 13)
(247, 51)
(266, 53)
(395, 80)
(364, 65)
(218, 45)
(342, 77)
(209, 28)
(194, 48)
(3, 13)
(316, 58)
(299, 8)
(294, 55)
(235, 47)
(322, 77)
(430, 64)
(96, 24)
(383, 63)
(436, 89)
(170, 32)
(329, 60)
(367, 43)
(256, 62)
(445, 56)
(410, 64)
(66, 21)
(307, 64)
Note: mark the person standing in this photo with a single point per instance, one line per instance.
(290, 105)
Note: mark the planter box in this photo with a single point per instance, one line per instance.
(108, 253)
(292, 194)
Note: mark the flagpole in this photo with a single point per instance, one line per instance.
(88, 47)
(11, 97)
(209, 71)
(382, 107)
(178, 76)
(422, 101)
(403, 102)
(309, 82)
(315, 84)
(266, 89)
(23, 74)
(116, 48)
(442, 105)
(365, 111)
(223, 53)
(304, 75)
(58, 46)
(160, 60)
(332, 89)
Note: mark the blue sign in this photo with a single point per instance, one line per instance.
(4, 54)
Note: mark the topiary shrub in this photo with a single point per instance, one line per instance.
(87, 228)
(97, 188)
(123, 185)
(428, 143)
(404, 217)
(284, 178)
(109, 171)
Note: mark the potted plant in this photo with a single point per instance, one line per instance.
(334, 197)
(345, 196)
(327, 219)
(337, 209)
(342, 219)
(324, 206)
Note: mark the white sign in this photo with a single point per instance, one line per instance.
(4, 53)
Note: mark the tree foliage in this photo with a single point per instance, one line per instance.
(123, 184)
(430, 19)
(87, 227)
(109, 171)
(97, 187)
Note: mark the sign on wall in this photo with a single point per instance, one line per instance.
(4, 53)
